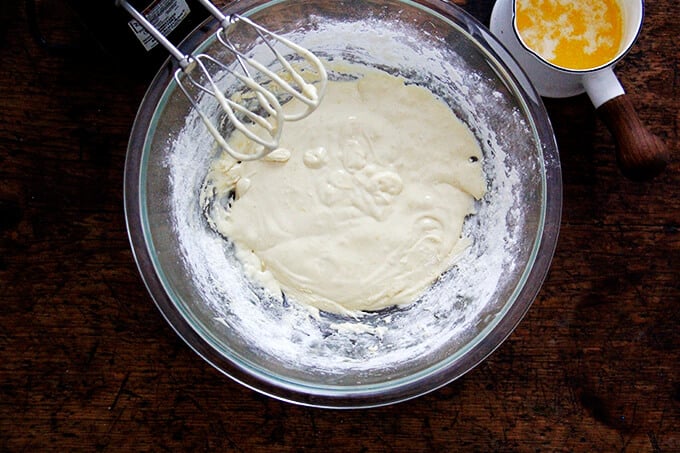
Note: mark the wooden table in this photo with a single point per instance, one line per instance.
(87, 362)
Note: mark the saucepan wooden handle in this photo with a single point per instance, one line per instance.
(640, 154)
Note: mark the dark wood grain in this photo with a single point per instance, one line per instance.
(88, 363)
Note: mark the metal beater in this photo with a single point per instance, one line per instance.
(264, 125)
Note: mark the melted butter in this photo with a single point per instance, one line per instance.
(572, 34)
(365, 205)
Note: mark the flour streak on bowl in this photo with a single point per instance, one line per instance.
(398, 353)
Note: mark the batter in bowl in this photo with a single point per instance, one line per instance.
(362, 207)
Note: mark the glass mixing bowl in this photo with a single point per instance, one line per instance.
(281, 349)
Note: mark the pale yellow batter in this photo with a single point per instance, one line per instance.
(363, 205)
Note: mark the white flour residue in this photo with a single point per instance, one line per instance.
(341, 349)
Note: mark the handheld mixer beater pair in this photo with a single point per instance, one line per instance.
(268, 117)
